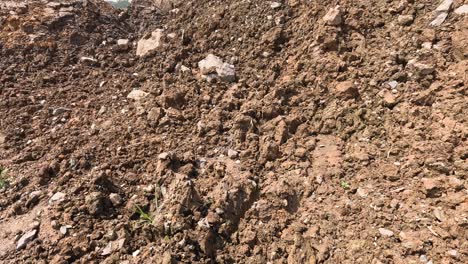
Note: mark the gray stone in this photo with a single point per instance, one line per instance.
(149, 43)
(25, 239)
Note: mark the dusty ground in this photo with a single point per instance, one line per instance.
(338, 141)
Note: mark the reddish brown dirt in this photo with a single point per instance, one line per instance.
(310, 156)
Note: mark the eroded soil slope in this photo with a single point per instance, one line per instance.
(313, 133)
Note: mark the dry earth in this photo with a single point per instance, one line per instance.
(314, 133)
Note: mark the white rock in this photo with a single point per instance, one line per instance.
(150, 43)
(439, 19)
(210, 64)
(426, 45)
(393, 84)
(453, 253)
(444, 6)
(57, 198)
(213, 64)
(164, 156)
(107, 250)
(137, 95)
(462, 10)
(63, 230)
(385, 232)
(361, 192)
(441, 13)
(88, 59)
(275, 5)
(333, 16)
(123, 44)
(25, 239)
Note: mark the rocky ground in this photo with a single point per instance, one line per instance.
(234, 131)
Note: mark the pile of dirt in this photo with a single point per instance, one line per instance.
(234, 131)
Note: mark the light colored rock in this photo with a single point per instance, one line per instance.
(361, 192)
(149, 43)
(210, 64)
(462, 10)
(63, 230)
(421, 68)
(25, 239)
(137, 95)
(275, 5)
(90, 60)
(232, 154)
(405, 20)
(107, 250)
(57, 198)
(164, 156)
(213, 64)
(444, 6)
(123, 44)
(2, 138)
(453, 253)
(333, 16)
(393, 84)
(440, 18)
(115, 199)
(441, 13)
(385, 232)
(439, 214)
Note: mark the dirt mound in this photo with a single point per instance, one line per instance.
(233, 132)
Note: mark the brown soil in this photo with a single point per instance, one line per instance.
(338, 142)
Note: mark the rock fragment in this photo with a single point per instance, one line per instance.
(123, 44)
(57, 198)
(275, 5)
(25, 239)
(137, 95)
(385, 232)
(441, 13)
(149, 42)
(115, 199)
(232, 154)
(405, 20)
(214, 65)
(462, 10)
(333, 16)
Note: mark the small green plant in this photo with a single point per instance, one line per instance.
(145, 217)
(345, 185)
(3, 178)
